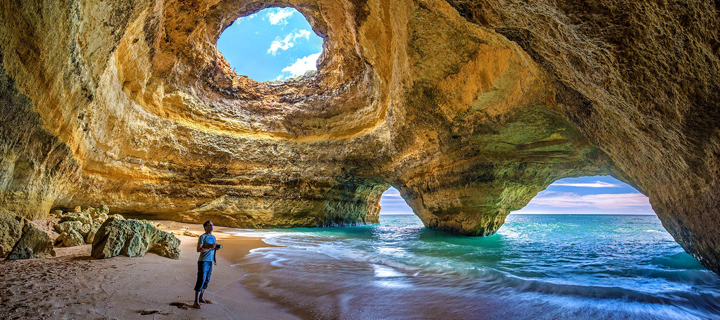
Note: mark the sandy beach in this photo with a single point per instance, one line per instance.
(74, 285)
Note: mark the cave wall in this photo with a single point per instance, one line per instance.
(640, 80)
(469, 108)
(35, 165)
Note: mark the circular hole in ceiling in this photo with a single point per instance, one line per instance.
(275, 44)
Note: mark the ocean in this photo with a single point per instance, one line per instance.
(535, 267)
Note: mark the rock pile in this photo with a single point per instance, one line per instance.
(114, 235)
(22, 239)
(79, 227)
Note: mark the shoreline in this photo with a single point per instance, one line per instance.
(74, 285)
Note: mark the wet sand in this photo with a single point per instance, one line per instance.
(74, 285)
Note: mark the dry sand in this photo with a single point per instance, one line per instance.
(76, 286)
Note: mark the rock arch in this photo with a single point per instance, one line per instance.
(468, 107)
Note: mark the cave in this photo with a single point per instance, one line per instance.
(468, 108)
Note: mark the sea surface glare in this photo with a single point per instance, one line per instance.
(535, 267)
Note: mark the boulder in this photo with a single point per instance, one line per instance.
(66, 226)
(34, 243)
(71, 238)
(100, 214)
(53, 235)
(11, 229)
(100, 218)
(103, 209)
(93, 231)
(83, 217)
(84, 229)
(48, 226)
(77, 209)
(131, 238)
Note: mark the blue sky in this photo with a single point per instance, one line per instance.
(392, 203)
(585, 195)
(273, 44)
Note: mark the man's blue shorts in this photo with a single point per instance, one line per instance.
(203, 276)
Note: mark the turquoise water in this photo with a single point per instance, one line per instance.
(535, 267)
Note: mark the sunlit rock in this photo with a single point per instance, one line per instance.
(468, 108)
(33, 244)
(131, 238)
(71, 238)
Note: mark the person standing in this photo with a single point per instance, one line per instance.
(206, 246)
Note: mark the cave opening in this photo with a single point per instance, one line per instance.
(392, 205)
(274, 44)
(589, 195)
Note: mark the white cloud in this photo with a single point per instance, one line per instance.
(393, 202)
(601, 201)
(302, 65)
(391, 193)
(287, 42)
(596, 184)
(397, 213)
(280, 16)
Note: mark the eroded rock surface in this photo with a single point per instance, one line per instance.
(469, 108)
(131, 238)
(34, 243)
(11, 229)
(71, 238)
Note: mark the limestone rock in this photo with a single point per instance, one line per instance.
(91, 234)
(82, 217)
(66, 226)
(100, 214)
(185, 231)
(53, 236)
(34, 243)
(469, 108)
(11, 229)
(131, 238)
(48, 225)
(84, 229)
(71, 238)
(100, 218)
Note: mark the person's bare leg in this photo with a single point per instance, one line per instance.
(202, 299)
(197, 301)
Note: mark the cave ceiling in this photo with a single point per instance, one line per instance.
(468, 108)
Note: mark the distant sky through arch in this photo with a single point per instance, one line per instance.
(584, 195)
(589, 195)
